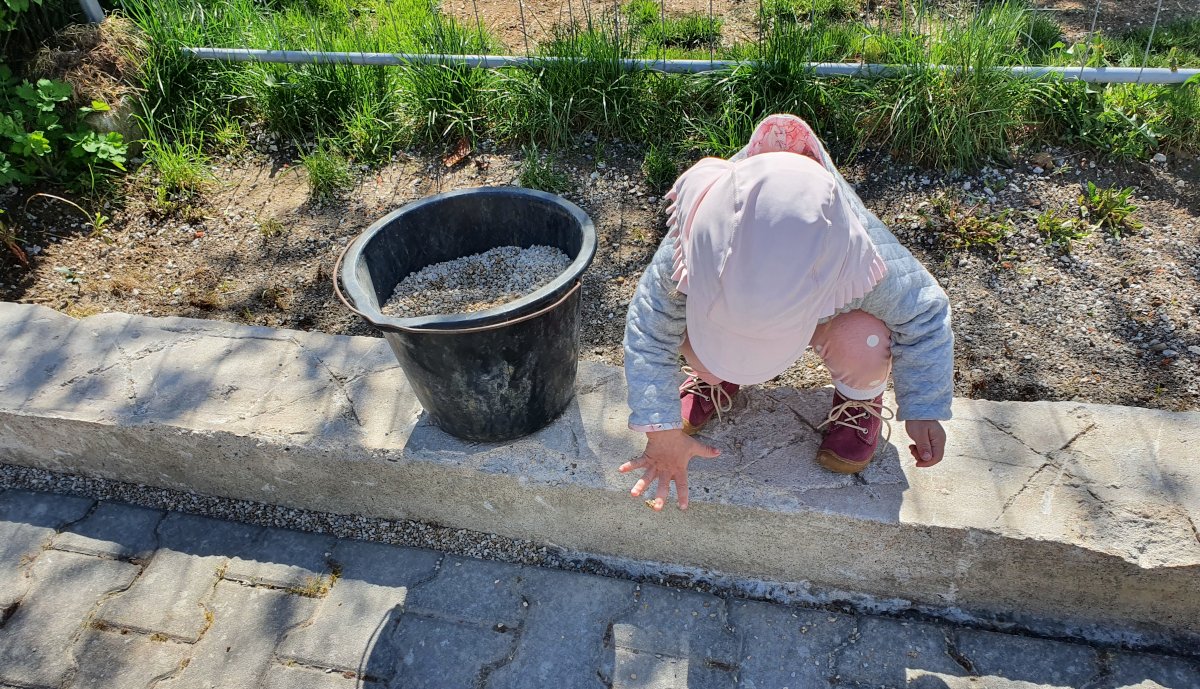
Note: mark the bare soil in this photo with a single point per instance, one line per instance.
(521, 26)
(1111, 322)
(1115, 17)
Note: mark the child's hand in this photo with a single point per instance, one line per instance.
(666, 459)
(930, 441)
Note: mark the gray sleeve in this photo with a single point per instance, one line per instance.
(654, 331)
(916, 309)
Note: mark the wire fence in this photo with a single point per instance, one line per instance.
(581, 15)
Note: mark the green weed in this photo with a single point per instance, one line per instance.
(689, 32)
(795, 11)
(960, 227)
(181, 166)
(642, 13)
(661, 167)
(1109, 208)
(540, 172)
(1062, 227)
(328, 172)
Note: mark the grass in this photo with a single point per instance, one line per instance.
(540, 172)
(661, 167)
(328, 173)
(952, 119)
(796, 11)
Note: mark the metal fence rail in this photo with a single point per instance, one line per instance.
(1096, 75)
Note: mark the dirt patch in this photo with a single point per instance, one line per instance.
(1116, 17)
(1114, 321)
(522, 34)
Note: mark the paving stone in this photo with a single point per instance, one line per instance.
(283, 558)
(116, 660)
(1005, 661)
(683, 624)
(362, 608)
(562, 641)
(645, 670)
(28, 521)
(247, 624)
(295, 677)
(440, 654)
(169, 597)
(36, 641)
(466, 589)
(895, 654)
(787, 648)
(1139, 671)
(122, 532)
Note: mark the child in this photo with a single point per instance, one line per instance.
(768, 253)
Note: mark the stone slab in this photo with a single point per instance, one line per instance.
(282, 676)
(788, 648)
(646, 670)
(887, 653)
(285, 559)
(111, 660)
(1090, 510)
(113, 530)
(480, 592)
(237, 650)
(563, 640)
(28, 523)
(1015, 662)
(171, 595)
(1137, 671)
(360, 613)
(681, 624)
(36, 641)
(434, 654)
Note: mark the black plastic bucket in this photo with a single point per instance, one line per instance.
(496, 374)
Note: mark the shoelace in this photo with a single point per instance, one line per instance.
(867, 408)
(715, 394)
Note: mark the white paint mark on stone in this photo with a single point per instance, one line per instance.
(489, 506)
(538, 499)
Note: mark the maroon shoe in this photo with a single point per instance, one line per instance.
(700, 401)
(853, 433)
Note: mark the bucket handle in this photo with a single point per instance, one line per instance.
(337, 289)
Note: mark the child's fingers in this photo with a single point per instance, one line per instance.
(632, 465)
(661, 495)
(644, 482)
(681, 490)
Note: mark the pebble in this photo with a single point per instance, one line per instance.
(1194, 349)
(1160, 158)
(475, 283)
(1170, 353)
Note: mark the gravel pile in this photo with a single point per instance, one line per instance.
(475, 283)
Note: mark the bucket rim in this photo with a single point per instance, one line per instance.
(565, 280)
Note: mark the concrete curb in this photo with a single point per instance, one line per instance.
(1081, 514)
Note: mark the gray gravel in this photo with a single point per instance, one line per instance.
(475, 283)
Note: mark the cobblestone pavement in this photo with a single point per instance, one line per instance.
(101, 594)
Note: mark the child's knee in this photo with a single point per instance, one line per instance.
(855, 341)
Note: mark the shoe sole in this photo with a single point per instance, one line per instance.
(836, 464)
